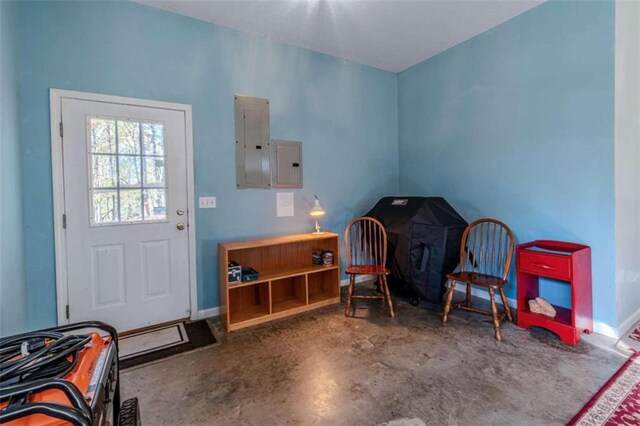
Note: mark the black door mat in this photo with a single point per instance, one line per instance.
(199, 335)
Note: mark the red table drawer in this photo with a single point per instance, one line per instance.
(545, 264)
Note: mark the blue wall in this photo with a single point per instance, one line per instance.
(518, 123)
(12, 285)
(345, 114)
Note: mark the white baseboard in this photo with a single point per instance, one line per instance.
(605, 329)
(616, 332)
(626, 325)
(208, 313)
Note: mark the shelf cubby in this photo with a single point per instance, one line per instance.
(248, 303)
(288, 293)
(321, 285)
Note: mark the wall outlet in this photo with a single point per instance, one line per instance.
(207, 202)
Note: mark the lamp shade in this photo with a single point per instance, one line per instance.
(317, 209)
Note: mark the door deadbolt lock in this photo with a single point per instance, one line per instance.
(180, 226)
(180, 212)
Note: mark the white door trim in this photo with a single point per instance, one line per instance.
(60, 243)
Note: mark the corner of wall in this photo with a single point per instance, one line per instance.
(627, 158)
(13, 318)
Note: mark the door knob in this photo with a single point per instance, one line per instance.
(180, 212)
(180, 226)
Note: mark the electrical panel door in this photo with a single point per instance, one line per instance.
(252, 142)
(286, 164)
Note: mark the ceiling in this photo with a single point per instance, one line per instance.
(391, 35)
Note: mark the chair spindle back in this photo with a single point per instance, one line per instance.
(365, 241)
(487, 248)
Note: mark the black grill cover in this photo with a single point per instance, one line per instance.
(423, 243)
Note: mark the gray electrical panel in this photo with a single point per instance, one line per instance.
(252, 142)
(286, 164)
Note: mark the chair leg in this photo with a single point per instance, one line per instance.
(505, 303)
(352, 283)
(494, 313)
(447, 306)
(387, 295)
(468, 298)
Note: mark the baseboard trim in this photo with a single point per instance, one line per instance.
(626, 325)
(616, 332)
(210, 312)
(605, 329)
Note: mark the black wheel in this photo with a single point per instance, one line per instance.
(130, 413)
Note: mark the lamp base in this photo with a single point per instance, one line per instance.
(318, 232)
(317, 229)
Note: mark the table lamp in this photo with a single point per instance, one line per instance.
(317, 211)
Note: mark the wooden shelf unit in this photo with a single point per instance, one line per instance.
(289, 283)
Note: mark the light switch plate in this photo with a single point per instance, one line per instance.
(207, 202)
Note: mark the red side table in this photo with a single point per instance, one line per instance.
(560, 261)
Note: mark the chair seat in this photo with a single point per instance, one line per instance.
(477, 279)
(367, 270)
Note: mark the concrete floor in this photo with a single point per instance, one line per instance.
(323, 368)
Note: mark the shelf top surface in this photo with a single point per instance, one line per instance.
(552, 247)
(271, 241)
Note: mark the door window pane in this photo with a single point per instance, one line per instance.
(102, 135)
(128, 167)
(104, 170)
(129, 170)
(155, 204)
(154, 171)
(105, 206)
(130, 205)
(153, 138)
(128, 137)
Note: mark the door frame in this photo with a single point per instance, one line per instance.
(60, 239)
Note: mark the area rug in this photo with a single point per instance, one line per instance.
(630, 341)
(154, 344)
(618, 402)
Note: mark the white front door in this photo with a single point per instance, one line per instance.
(125, 201)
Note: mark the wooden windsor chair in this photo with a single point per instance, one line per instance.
(365, 241)
(485, 259)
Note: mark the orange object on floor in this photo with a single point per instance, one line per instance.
(55, 377)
